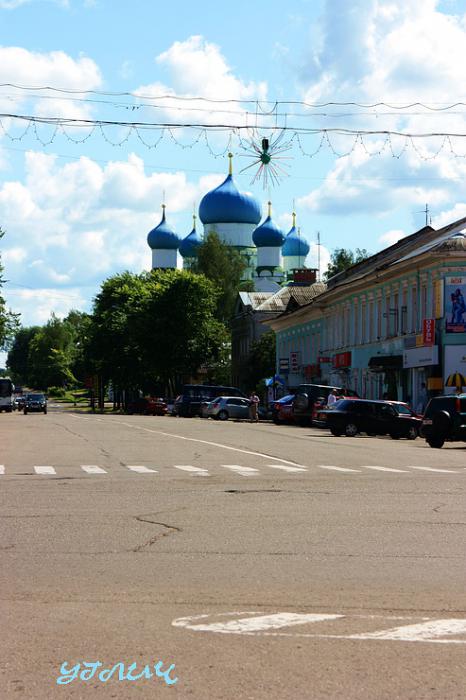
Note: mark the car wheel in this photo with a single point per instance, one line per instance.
(395, 436)
(222, 415)
(436, 442)
(441, 422)
(335, 432)
(351, 429)
(412, 433)
(45, 410)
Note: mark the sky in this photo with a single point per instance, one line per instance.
(77, 203)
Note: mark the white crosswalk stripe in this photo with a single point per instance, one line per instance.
(286, 468)
(440, 471)
(386, 469)
(43, 470)
(337, 469)
(92, 469)
(196, 471)
(243, 471)
(141, 469)
(2, 468)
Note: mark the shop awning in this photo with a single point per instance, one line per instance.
(386, 362)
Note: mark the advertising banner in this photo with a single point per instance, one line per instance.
(428, 331)
(455, 361)
(455, 305)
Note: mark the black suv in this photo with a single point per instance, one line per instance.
(309, 394)
(445, 419)
(35, 402)
(352, 416)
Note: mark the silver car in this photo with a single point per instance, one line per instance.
(225, 407)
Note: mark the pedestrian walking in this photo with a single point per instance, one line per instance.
(254, 407)
(332, 397)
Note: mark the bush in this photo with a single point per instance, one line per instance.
(56, 391)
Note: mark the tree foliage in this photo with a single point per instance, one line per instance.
(157, 326)
(342, 258)
(9, 321)
(224, 266)
(262, 358)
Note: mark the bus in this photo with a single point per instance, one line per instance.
(6, 394)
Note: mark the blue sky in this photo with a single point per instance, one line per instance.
(76, 213)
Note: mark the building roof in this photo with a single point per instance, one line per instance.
(190, 244)
(162, 237)
(268, 235)
(295, 245)
(254, 299)
(226, 204)
(299, 294)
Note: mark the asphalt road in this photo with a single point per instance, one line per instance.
(263, 561)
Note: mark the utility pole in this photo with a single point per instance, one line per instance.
(318, 256)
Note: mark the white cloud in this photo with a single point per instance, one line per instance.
(13, 4)
(197, 68)
(399, 52)
(56, 69)
(391, 237)
(72, 225)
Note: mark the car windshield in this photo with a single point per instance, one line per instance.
(36, 397)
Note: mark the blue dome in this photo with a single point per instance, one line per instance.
(162, 237)
(226, 204)
(295, 245)
(268, 235)
(190, 244)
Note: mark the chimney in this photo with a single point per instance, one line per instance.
(304, 276)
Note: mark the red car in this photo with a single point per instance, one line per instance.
(148, 406)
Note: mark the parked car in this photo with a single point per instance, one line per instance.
(148, 406)
(282, 410)
(352, 416)
(35, 402)
(193, 395)
(225, 407)
(308, 394)
(445, 419)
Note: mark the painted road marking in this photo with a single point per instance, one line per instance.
(92, 469)
(2, 468)
(197, 471)
(141, 469)
(386, 469)
(244, 471)
(425, 630)
(337, 469)
(249, 625)
(440, 471)
(287, 469)
(44, 470)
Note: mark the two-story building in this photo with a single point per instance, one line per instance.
(386, 326)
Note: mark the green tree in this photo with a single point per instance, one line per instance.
(262, 358)
(9, 321)
(342, 258)
(51, 355)
(18, 354)
(224, 266)
(155, 327)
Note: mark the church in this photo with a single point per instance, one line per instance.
(270, 254)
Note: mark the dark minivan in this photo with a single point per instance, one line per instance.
(193, 395)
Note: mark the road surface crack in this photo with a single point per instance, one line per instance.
(169, 530)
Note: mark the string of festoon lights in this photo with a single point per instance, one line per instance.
(260, 130)
(242, 134)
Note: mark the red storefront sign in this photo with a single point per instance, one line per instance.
(324, 359)
(342, 359)
(428, 331)
(311, 371)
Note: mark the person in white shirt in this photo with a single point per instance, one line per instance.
(332, 397)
